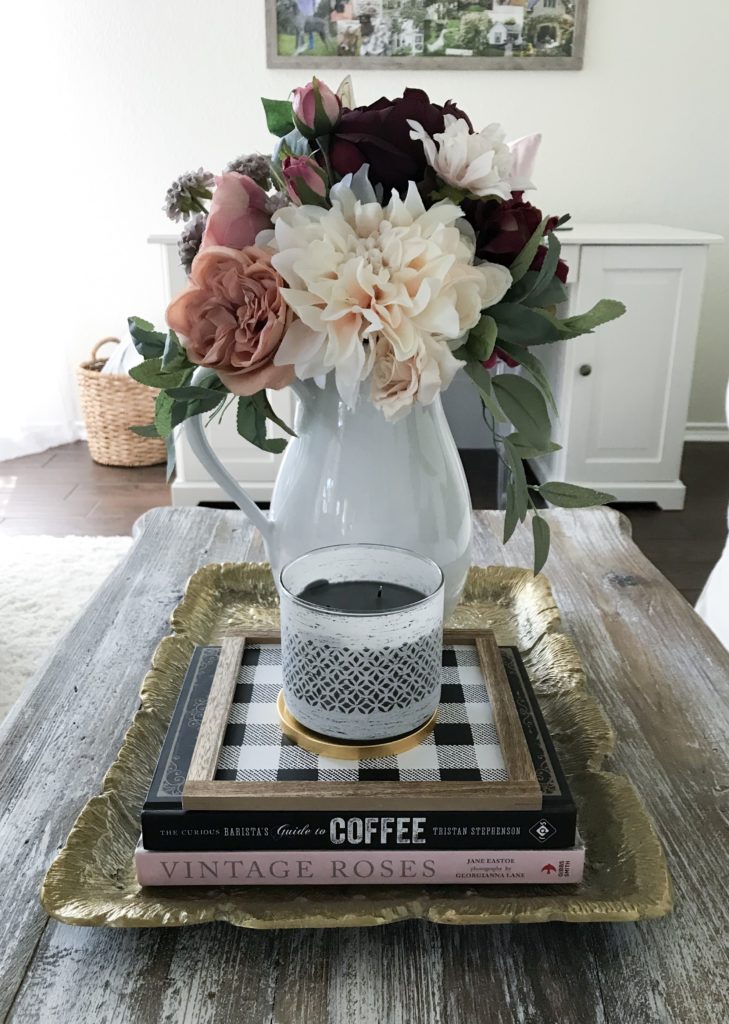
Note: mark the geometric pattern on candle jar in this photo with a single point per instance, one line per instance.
(362, 681)
(463, 746)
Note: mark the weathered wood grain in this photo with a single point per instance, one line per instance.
(513, 743)
(664, 682)
(217, 713)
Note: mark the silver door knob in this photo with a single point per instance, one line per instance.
(585, 370)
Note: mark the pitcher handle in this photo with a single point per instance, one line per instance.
(197, 438)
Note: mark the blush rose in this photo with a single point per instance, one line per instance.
(232, 318)
(238, 211)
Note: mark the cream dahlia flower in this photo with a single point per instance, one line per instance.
(368, 282)
(480, 163)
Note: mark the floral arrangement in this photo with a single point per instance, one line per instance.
(388, 245)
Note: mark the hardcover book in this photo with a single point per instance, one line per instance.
(373, 867)
(167, 827)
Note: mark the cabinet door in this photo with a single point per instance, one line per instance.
(630, 380)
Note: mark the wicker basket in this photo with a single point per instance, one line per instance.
(111, 404)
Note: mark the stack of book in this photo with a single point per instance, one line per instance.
(383, 830)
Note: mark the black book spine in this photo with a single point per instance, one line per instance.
(552, 828)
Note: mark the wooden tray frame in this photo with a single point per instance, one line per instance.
(203, 792)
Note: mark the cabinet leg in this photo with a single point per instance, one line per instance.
(672, 499)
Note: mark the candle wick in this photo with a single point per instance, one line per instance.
(379, 592)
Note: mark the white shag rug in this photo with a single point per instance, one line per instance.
(44, 584)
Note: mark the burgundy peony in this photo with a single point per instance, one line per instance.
(379, 135)
(503, 229)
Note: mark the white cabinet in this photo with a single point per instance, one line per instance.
(254, 469)
(623, 391)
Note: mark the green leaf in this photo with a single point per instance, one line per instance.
(482, 379)
(525, 450)
(163, 414)
(251, 424)
(518, 481)
(534, 368)
(147, 430)
(525, 407)
(449, 192)
(540, 533)
(482, 339)
(148, 342)
(553, 294)
(571, 496)
(261, 400)
(524, 326)
(174, 357)
(548, 269)
(154, 375)
(601, 313)
(192, 391)
(142, 325)
(149, 372)
(511, 518)
(279, 116)
(198, 406)
(522, 288)
(524, 260)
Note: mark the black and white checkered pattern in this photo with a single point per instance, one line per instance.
(463, 747)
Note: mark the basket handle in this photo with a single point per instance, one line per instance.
(98, 345)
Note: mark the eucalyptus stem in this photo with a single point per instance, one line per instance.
(497, 438)
(323, 144)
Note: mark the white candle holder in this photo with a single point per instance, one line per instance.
(362, 676)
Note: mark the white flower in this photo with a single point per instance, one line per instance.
(359, 273)
(480, 163)
(396, 385)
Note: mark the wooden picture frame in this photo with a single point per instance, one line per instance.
(527, 35)
(522, 791)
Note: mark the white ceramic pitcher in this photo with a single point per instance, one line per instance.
(351, 477)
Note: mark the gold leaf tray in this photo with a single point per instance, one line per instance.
(92, 881)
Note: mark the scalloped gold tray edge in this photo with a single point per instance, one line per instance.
(92, 881)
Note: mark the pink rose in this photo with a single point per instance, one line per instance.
(232, 318)
(314, 118)
(305, 180)
(237, 212)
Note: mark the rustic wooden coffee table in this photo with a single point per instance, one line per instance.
(659, 673)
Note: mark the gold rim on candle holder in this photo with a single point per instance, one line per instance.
(345, 750)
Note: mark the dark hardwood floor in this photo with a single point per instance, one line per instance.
(61, 491)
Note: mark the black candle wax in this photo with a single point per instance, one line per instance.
(360, 595)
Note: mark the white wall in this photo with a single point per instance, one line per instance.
(107, 102)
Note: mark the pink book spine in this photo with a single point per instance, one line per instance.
(321, 867)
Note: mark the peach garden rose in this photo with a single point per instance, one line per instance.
(232, 318)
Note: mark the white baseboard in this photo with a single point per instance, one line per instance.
(707, 432)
